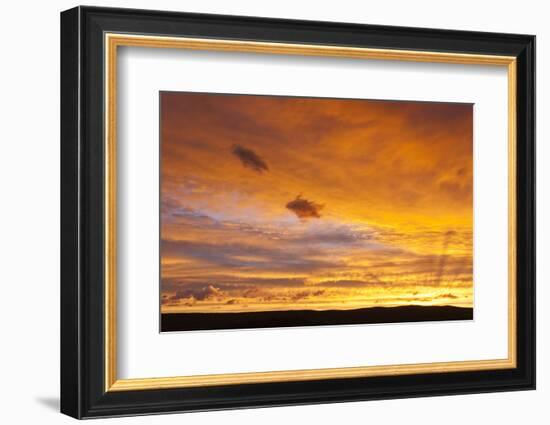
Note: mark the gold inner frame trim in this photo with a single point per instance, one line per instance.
(113, 41)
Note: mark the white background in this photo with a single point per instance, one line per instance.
(143, 72)
(29, 225)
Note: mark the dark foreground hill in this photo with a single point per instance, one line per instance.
(274, 319)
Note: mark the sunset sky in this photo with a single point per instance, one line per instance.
(278, 203)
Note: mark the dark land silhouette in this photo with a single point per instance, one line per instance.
(171, 322)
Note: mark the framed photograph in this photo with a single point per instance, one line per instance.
(261, 212)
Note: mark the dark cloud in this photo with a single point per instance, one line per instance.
(449, 295)
(306, 294)
(249, 158)
(345, 283)
(199, 294)
(304, 208)
(299, 295)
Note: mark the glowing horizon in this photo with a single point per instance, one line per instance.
(284, 203)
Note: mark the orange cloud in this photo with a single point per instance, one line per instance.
(249, 158)
(304, 208)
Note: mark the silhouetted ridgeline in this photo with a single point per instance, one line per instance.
(274, 319)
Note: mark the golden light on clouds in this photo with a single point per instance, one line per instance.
(284, 203)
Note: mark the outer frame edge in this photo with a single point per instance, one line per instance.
(103, 406)
(70, 348)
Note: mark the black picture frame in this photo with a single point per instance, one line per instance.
(83, 392)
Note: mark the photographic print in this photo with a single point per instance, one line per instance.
(281, 211)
